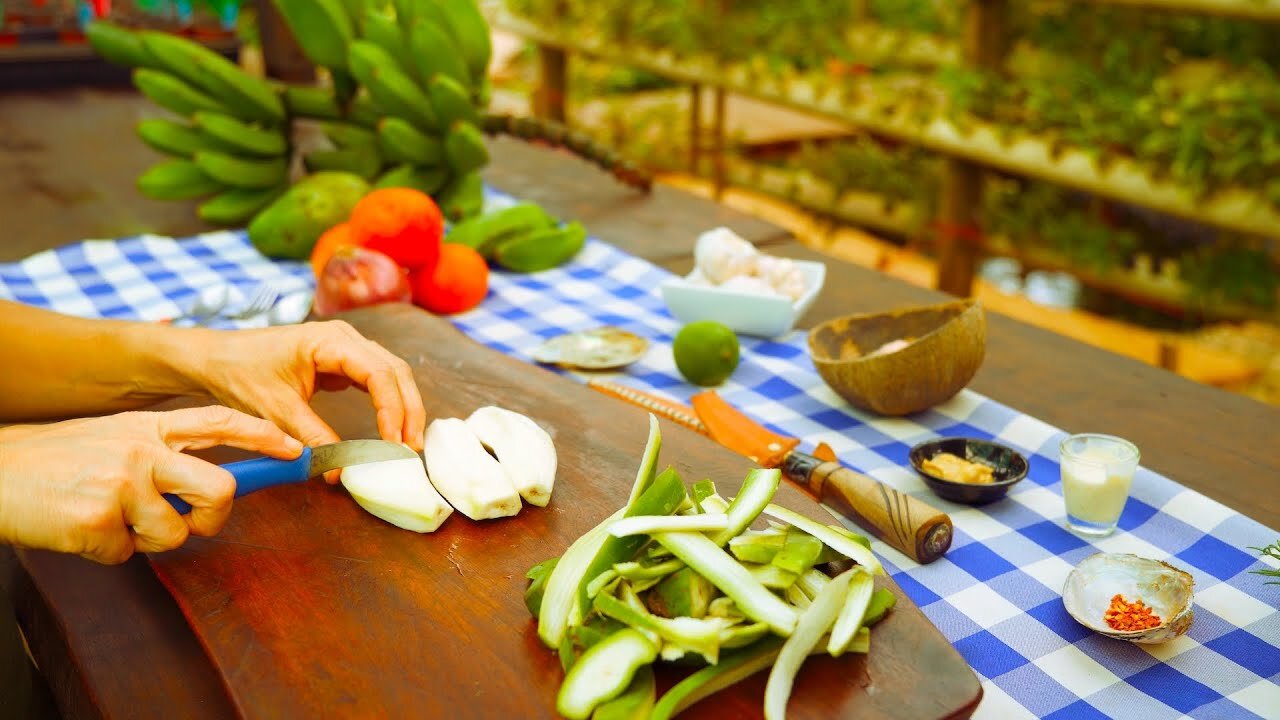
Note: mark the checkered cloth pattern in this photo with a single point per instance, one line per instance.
(996, 593)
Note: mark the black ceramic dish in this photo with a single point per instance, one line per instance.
(1008, 465)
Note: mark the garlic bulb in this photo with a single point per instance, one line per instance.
(721, 254)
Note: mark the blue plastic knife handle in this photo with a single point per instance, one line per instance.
(256, 474)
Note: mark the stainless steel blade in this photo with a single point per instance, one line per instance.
(355, 452)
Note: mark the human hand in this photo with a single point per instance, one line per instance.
(94, 487)
(274, 372)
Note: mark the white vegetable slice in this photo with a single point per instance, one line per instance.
(465, 473)
(524, 450)
(647, 524)
(812, 626)
(399, 492)
(832, 539)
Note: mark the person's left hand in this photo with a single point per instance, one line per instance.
(274, 372)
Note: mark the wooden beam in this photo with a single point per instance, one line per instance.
(282, 57)
(958, 243)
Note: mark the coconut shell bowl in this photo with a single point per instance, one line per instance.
(903, 361)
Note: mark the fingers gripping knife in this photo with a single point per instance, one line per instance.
(264, 472)
(908, 524)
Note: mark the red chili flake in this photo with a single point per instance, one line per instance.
(1126, 616)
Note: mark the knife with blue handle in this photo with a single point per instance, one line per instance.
(264, 472)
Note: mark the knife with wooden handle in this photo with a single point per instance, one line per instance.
(908, 524)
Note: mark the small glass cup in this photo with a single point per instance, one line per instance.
(1097, 473)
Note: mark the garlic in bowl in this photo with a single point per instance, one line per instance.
(750, 292)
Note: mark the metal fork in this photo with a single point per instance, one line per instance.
(264, 296)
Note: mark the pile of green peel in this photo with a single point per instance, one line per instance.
(677, 575)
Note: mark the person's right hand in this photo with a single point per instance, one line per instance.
(94, 487)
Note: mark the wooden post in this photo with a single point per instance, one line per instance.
(959, 208)
(695, 129)
(549, 98)
(717, 146)
(281, 56)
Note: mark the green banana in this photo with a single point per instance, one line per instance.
(242, 172)
(237, 206)
(402, 142)
(176, 179)
(243, 137)
(450, 101)
(471, 33)
(407, 10)
(389, 87)
(118, 45)
(323, 29)
(464, 148)
(434, 52)
(173, 138)
(251, 97)
(355, 11)
(381, 29)
(364, 111)
(483, 93)
(462, 197)
(349, 135)
(311, 102)
(427, 180)
(541, 250)
(364, 162)
(363, 57)
(485, 232)
(172, 93)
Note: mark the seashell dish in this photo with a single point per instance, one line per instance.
(1164, 588)
(601, 348)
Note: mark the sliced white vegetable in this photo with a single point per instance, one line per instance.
(855, 608)
(734, 580)
(399, 492)
(812, 581)
(465, 473)
(757, 490)
(715, 504)
(559, 600)
(813, 624)
(524, 450)
(646, 524)
(832, 539)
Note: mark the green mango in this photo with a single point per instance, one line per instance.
(289, 227)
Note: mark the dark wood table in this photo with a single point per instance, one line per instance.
(111, 640)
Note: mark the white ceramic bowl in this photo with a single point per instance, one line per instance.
(760, 315)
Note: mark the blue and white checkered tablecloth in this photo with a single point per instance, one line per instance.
(995, 595)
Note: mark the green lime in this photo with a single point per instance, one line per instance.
(706, 352)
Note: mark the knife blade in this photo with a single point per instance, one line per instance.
(910, 525)
(264, 472)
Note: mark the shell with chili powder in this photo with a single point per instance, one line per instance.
(1166, 590)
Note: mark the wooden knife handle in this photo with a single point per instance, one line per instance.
(910, 525)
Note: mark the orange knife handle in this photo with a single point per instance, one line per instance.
(910, 525)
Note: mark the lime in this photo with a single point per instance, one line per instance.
(706, 352)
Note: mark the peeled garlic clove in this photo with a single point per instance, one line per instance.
(792, 287)
(399, 492)
(721, 254)
(524, 450)
(748, 284)
(465, 473)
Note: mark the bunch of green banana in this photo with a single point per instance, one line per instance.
(229, 142)
(522, 237)
(414, 73)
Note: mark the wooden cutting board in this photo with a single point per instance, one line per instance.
(310, 607)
